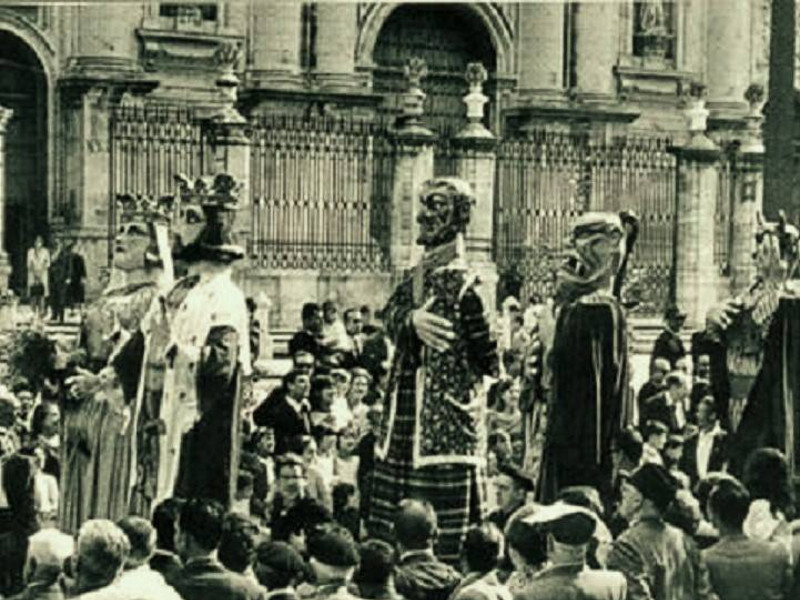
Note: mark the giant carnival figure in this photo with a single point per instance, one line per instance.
(207, 356)
(101, 413)
(754, 345)
(432, 444)
(588, 404)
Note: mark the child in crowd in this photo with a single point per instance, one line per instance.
(359, 389)
(346, 461)
(339, 406)
(655, 440)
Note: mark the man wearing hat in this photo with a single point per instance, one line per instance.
(334, 557)
(569, 530)
(657, 559)
(669, 345)
(208, 355)
(280, 569)
(512, 487)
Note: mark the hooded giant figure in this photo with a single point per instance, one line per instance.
(207, 355)
(588, 360)
(432, 440)
(100, 418)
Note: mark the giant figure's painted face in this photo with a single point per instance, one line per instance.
(130, 245)
(444, 212)
(592, 257)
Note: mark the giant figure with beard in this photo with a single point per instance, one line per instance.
(99, 424)
(589, 397)
(432, 444)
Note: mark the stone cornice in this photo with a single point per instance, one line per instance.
(183, 50)
(700, 149)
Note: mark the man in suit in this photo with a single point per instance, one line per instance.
(669, 406)
(287, 412)
(706, 451)
(569, 531)
(512, 487)
(669, 344)
(480, 557)
(309, 339)
(280, 569)
(354, 347)
(334, 557)
(375, 574)
(203, 577)
(740, 567)
(419, 574)
(659, 368)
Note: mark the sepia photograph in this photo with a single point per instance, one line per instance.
(426, 300)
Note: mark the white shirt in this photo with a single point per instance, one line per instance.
(705, 442)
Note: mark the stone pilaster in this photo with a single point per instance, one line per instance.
(540, 39)
(596, 54)
(5, 266)
(695, 273)
(728, 57)
(413, 165)
(337, 32)
(106, 37)
(277, 31)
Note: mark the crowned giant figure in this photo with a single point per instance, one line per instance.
(432, 445)
(207, 357)
(101, 414)
(589, 379)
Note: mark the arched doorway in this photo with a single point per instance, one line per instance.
(448, 37)
(23, 88)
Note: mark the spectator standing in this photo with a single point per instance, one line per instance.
(203, 577)
(669, 344)
(741, 568)
(288, 413)
(38, 263)
(480, 556)
(309, 338)
(280, 569)
(48, 551)
(102, 549)
(137, 576)
(670, 406)
(706, 451)
(354, 339)
(165, 558)
(76, 275)
(512, 487)
(375, 574)
(334, 557)
(659, 368)
(58, 275)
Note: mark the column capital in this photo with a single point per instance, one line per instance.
(5, 117)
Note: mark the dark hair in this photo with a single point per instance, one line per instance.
(141, 537)
(237, 547)
(704, 487)
(251, 304)
(415, 524)
(377, 563)
(654, 428)
(202, 520)
(306, 516)
(494, 398)
(165, 516)
(38, 416)
(528, 540)
(289, 459)
(630, 443)
(319, 384)
(766, 477)
(730, 502)
(278, 565)
(483, 545)
(309, 310)
(292, 376)
(329, 304)
(675, 378)
(341, 493)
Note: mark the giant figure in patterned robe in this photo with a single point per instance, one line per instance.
(589, 400)
(207, 357)
(432, 441)
(100, 417)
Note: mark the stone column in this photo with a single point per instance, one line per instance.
(540, 38)
(728, 54)
(106, 36)
(5, 265)
(337, 32)
(413, 165)
(597, 53)
(749, 197)
(277, 33)
(695, 274)
(476, 164)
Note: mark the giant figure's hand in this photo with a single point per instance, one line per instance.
(434, 331)
(720, 317)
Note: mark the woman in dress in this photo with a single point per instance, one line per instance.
(38, 263)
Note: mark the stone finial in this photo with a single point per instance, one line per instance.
(476, 101)
(476, 76)
(697, 113)
(227, 56)
(5, 117)
(755, 96)
(413, 99)
(415, 70)
(754, 140)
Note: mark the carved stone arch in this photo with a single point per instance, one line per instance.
(38, 42)
(500, 33)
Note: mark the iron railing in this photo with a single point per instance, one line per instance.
(321, 193)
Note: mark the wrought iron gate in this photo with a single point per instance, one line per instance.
(547, 179)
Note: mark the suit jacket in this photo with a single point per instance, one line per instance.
(207, 579)
(421, 576)
(740, 568)
(287, 423)
(670, 346)
(657, 408)
(716, 460)
(575, 582)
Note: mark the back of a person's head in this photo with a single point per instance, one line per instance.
(729, 502)
(49, 549)
(309, 310)
(102, 550)
(377, 564)
(415, 525)
(584, 496)
(165, 519)
(630, 443)
(334, 547)
(278, 565)
(703, 488)
(766, 477)
(141, 537)
(307, 514)
(527, 540)
(483, 546)
(202, 520)
(341, 493)
(676, 379)
(237, 547)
